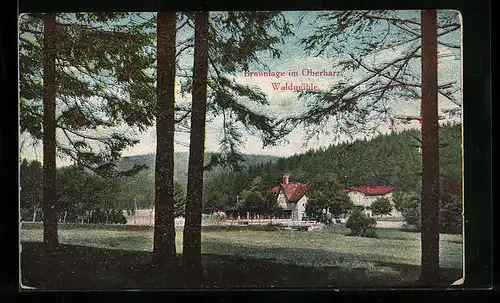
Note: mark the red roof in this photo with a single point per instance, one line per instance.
(370, 191)
(293, 192)
(275, 190)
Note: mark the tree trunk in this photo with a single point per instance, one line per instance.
(430, 150)
(49, 131)
(192, 226)
(164, 230)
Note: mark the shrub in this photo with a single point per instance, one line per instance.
(450, 208)
(361, 225)
(381, 206)
(450, 213)
(409, 206)
(116, 216)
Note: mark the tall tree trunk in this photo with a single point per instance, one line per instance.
(49, 131)
(430, 150)
(164, 229)
(192, 227)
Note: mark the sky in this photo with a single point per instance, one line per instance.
(284, 102)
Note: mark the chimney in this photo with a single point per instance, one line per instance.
(285, 179)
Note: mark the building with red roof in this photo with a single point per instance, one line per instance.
(364, 196)
(370, 191)
(291, 198)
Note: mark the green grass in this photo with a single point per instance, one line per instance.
(327, 256)
(330, 247)
(388, 218)
(102, 238)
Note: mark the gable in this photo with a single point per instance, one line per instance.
(294, 192)
(291, 192)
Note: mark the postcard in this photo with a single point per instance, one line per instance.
(240, 149)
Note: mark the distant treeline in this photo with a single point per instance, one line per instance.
(386, 160)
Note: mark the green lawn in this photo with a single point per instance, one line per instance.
(392, 258)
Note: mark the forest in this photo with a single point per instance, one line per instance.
(386, 160)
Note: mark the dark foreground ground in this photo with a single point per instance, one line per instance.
(82, 267)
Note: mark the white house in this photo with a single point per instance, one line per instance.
(363, 197)
(291, 198)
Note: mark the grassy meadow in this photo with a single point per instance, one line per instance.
(321, 258)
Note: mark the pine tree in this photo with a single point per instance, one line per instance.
(192, 227)
(84, 56)
(376, 68)
(100, 64)
(361, 103)
(49, 131)
(430, 150)
(233, 40)
(164, 230)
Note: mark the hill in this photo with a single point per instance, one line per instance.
(181, 161)
(386, 160)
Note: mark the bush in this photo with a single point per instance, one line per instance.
(117, 217)
(450, 214)
(409, 206)
(361, 225)
(381, 206)
(450, 208)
